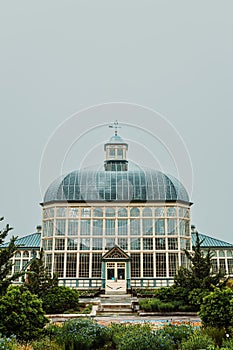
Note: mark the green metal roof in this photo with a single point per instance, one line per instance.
(210, 242)
(26, 242)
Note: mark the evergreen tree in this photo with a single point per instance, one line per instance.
(39, 281)
(6, 253)
(199, 273)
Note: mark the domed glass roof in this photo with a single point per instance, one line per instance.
(136, 184)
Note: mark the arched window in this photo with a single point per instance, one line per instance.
(122, 212)
(98, 212)
(26, 254)
(110, 212)
(159, 212)
(147, 212)
(171, 211)
(134, 212)
(17, 254)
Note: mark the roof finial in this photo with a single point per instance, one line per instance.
(116, 126)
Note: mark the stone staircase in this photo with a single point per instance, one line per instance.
(117, 305)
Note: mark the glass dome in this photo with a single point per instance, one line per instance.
(136, 184)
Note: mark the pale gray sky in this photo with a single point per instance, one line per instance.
(175, 57)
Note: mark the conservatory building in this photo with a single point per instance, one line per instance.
(116, 226)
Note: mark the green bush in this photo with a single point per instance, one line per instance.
(178, 333)
(60, 299)
(83, 334)
(198, 341)
(140, 337)
(217, 308)
(21, 314)
(227, 344)
(217, 334)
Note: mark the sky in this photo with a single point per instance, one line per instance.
(163, 69)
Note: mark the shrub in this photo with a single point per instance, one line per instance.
(21, 314)
(60, 299)
(197, 341)
(217, 308)
(83, 334)
(217, 334)
(178, 333)
(140, 337)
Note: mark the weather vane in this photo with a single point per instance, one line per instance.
(116, 126)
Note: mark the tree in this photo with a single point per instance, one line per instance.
(6, 253)
(39, 280)
(199, 273)
(21, 314)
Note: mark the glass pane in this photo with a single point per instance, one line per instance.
(72, 227)
(73, 212)
(122, 212)
(147, 227)
(122, 227)
(135, 243)
(86, 212)
(98, 212)
(134, 212)
(147, 212)
(171, 211)
(60, 228)
(110, 228)
(160, 227)
(110, 212)
(159, 212)
(97, 243)
(85, 227)
(97, 227)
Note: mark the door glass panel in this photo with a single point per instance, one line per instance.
(110, 274)
(121, 274)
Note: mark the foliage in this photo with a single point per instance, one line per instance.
(198, 341)
(217, 308)
(227, 344)
(39, 280)
(196, 297)
(60, 299)
(217, 334)
(46, 344)
(83, 334)
(141, 337)
(156, 305)
(8, 343)
(21, 314)
(178, 332)
(6, 264)
(199, 274)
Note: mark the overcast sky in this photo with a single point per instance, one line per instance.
(60, 57)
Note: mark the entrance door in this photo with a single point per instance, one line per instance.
(115, 278)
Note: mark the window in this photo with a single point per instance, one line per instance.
(85, 227)
(84, 243)
(135, 227)
(122, 212)
(122, 227)
(112, 152)
(147, 227)
(72, 227)
(71, 265)
(171, 226)
(48, 213)
(97, 243)
(61, 212)
(120, 153)
(110, 212)
(110, 228)
(172, 243)
(160, 244)
(172, 263)
(230, 266)
(59, 264)
(48, 262)
(86, 212)
(171, 211)
(18, 254)
(84, 265)
(222, 266)
(59, 244)
(98, 212)
(17, 266)
(214, 265)
(134, 212)
(60, 229)
(135, 265)
(135, 243)
(123, 243)
(147, 243)
(160, 227)
(161, 270)
(97, 227)
(148, 265)
(96, 265)
(72, 244)
(159, 212)
(48, 228)
(26, 254)
(147, 212)
(73, 212)
(110, 242)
